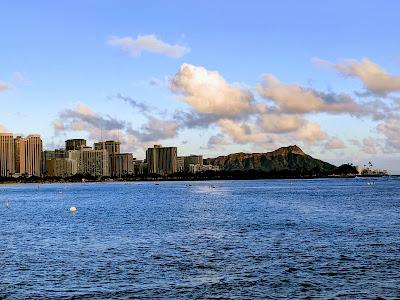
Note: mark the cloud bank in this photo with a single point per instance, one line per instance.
(233, 110)
(272, 114)
(104, 127)
(374, 78)
(292, 98)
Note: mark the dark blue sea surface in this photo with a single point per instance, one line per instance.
(269, 239)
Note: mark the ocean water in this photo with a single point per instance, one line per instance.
(267, 239)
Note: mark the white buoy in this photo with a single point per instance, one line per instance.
(73, 209)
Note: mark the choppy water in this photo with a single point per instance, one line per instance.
(269, 239)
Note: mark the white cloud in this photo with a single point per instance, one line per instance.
(242, 132)
(3, 86)
(369, 146)
(293, 98)
(391, 130)
(149, 43)
(290, 98)
(156, 129)
(82, 117)
(334, 143)
(374, 78)
(58, 125)
(234, 111)
(207, 92)
(217, 141)
(280, 123)
(310, 133)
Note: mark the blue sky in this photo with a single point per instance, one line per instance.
(61, 75)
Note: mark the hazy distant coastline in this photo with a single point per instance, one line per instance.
(284, 163)
(161, 179)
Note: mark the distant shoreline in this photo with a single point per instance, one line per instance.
(11, 183)
(188, 179)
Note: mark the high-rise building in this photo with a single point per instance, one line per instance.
(193, 160)
(61, 167)
(19, 154)
(74, 144)
(113, 148)
(140, 167)
(161, 160)
(7, 159)
(28, 155)
(180, 164)
(91, 162)
(124, 164)
(33, 155)
(50, 155)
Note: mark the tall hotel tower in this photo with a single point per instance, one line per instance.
(162, 160)
(113, 149)
(7, 165)
(28, 155)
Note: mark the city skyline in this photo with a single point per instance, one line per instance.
(24, 157)
(325, 82)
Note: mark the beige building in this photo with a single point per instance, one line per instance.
(194, 168)
(92, 162)
(140, 167)
(180, 164)
(74, 144)
(189, 164)
(113, 148)
(19, 152)
(124, 164)
(193, 163)
(49, 155)
(7, 158)
(61, 167)
(161, 160)
(28, 155)
(210, 168)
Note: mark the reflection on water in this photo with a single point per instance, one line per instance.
(235, 239)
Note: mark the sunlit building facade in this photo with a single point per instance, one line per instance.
(113, 148)
(91, 162)
(61, 167)
(28, 155)
(7, 157)
(161, 160)
(124, 165)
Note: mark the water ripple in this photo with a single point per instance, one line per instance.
(277, 239)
